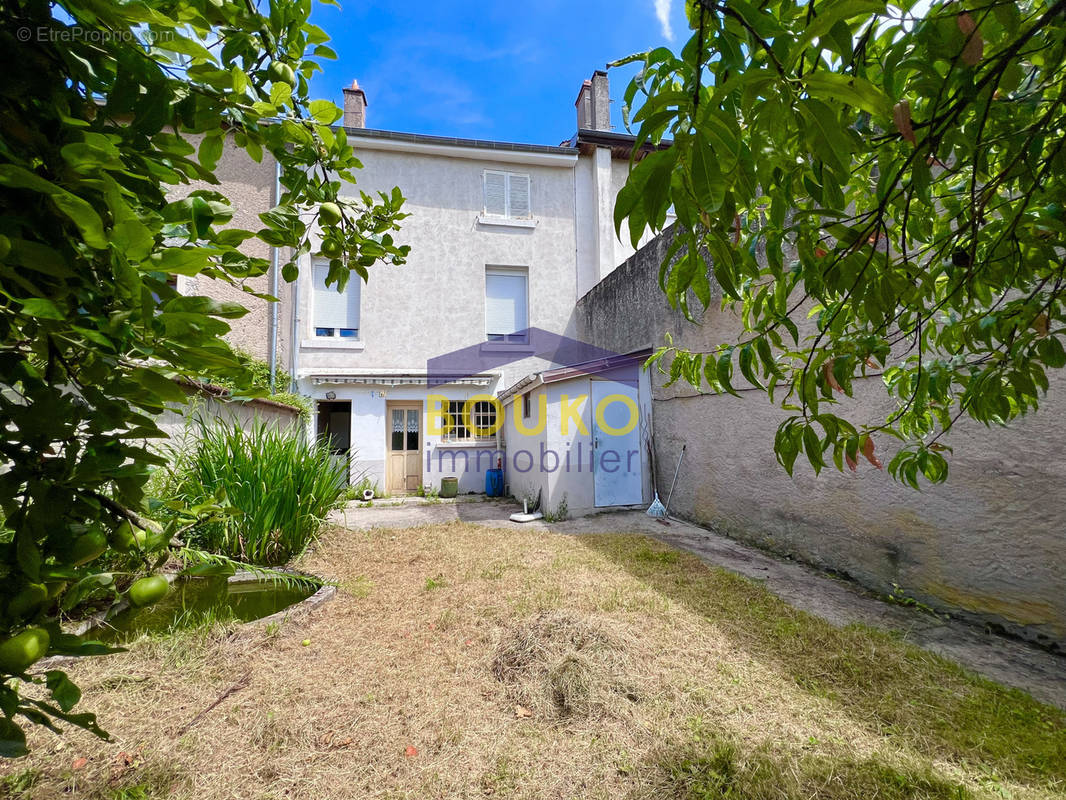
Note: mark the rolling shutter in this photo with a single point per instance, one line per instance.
(333, 309)
(505, 302)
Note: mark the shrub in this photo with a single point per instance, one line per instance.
(280, 485)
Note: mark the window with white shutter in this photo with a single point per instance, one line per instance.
(518, 196)
(507, 194)
(506, 305)
(496, 193)
(334, 314)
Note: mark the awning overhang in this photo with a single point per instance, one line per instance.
(382, 379)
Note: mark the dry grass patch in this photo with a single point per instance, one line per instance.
(559, 666)
(644, 673)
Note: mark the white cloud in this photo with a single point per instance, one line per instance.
(662, 11)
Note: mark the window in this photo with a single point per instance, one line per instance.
(506, 305)
(507, 194)
(526, 410)
(334, 314)
(482, 415)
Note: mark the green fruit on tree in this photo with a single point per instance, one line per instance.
(88, 547)
(32, 597)
(329, 213)
(282, 73)
(331, 248)
(20, 652)
(148, 590)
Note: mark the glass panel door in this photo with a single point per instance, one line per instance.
(397, 429)
(412, 428)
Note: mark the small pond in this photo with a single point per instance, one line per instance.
(195, 602)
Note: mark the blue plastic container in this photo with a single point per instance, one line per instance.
(494, 483)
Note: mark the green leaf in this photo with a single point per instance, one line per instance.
(12, 739)
(1052, 352)
(42, 307)
(856, 92)
(211, 149)
(75, 208)
(812, 445)
(708, 185)
(161, 386)
(182, 260)
(63, 690)
(825, 136)
(324, 112)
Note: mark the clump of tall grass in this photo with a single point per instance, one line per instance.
(279, 485)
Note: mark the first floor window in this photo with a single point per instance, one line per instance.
(506, 194)
(482, 416)
(506, 304)
(334, 314)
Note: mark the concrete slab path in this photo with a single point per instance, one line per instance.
(840, 602)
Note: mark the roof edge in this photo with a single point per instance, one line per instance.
(454, 141)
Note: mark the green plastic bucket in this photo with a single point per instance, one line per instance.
(449, 487)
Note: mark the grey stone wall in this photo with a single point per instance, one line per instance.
(987, 544)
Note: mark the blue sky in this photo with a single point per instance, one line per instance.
(508, 71)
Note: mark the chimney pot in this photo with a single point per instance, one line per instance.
(354, 106)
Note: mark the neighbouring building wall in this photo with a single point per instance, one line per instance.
(987, 544)
(599, 177)
(249, 186)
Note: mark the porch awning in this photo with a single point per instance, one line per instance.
(380, 379)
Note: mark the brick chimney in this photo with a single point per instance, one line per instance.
(354, 106)
(594, 103)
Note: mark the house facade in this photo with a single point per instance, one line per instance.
(520, 304)
(505, 238)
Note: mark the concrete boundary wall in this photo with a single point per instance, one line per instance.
(988, 545)
(209, 403)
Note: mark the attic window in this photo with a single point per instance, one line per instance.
(507, 194)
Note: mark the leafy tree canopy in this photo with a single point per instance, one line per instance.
(894, 173)
(109, 109)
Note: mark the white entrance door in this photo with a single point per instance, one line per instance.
(616, 444)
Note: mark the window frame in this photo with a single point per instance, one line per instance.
(336, 334)
(506, 194)
(483, 411)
